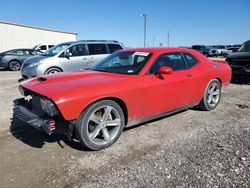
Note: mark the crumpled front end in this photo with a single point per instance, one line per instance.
(40, 113)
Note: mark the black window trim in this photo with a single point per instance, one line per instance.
(181, 53)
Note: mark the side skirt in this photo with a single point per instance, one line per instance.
(136, 122)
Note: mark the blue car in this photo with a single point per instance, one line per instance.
(13, 59)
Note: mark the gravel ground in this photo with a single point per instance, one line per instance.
(8, 92)
(189, 149)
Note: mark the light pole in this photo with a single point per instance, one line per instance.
(145, 28)
(168, 37)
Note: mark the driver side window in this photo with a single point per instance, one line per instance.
(172, 60)
(77, 50)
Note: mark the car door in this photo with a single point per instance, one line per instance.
(97, 52)
(169, 91)
(76, 59)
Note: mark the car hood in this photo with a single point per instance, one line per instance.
(68, 84)
(34, 59)
(238, 55)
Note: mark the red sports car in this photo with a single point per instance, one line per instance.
(127, 88)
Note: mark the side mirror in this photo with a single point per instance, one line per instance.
(66, 54)
(165, 70)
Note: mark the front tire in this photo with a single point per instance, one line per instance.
(212, 95)
(53, 71)
(100, 125)
(14, 65)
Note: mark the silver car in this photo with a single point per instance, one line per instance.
(69, 56)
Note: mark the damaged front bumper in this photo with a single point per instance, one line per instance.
(49, 125)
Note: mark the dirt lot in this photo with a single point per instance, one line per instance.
(189, 149)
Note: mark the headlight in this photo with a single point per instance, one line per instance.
(48, 107)
(22, 91)
(35, 64)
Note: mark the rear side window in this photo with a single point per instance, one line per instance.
(50, 46)
(12, 52)
(22, 52)
(95, 49)
(114, 47)
(191, 60)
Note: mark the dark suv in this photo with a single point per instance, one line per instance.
(240, 61)
(202, 49)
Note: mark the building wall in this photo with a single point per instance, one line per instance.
(18, 36)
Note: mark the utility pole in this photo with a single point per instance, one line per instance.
(168, 37)
(145, 28)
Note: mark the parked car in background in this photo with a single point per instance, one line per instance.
(202, 49)
(240, 61)
(236, 45)
(13, 59)
(128, 87)
(213, 52)
(217, 49)
(69, 56)
(229, 50)
(43, 47)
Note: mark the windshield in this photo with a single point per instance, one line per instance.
(123, 62)
(245, 47)
(55, 49)
(35, 47)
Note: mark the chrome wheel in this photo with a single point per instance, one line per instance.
(213, 94)
(14, 65)
(100, 124)
(211, 97)
(103, 125)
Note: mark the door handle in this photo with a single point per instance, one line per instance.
(189, 75)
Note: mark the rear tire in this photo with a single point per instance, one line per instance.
(53, 71)
(212, 95)
(14, 65)
(100, 125)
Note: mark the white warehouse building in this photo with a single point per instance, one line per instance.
(22, 36)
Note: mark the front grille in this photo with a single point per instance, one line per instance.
(26, 116)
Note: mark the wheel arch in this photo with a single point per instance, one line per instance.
(14, 60)
(119, 101)
(57, 67)
(217, 78)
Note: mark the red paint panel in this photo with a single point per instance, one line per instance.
(144, 95)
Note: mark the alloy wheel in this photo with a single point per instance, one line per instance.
(103, 125)
(14, 65)
(213, 94)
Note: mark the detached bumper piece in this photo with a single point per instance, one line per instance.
(25, 115)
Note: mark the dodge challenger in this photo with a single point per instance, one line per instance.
(129, 87)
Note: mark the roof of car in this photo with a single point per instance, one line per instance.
(90, 41)
(159, 49)
(18, 49)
